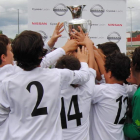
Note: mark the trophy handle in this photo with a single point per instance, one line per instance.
(89, 23)
(66, 24)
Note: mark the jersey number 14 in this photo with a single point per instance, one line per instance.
(77, 116)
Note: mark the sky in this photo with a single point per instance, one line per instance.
(9, 16)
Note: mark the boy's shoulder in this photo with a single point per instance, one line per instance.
(110, 90)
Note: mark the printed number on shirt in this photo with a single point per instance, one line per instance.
(38, 111)
(123, 104)
(77, 116)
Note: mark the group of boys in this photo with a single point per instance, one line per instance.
(65, 103)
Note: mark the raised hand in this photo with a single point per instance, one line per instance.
(86, 41)
(56, 34)
(82, 54)
(79, 36)
(71, 45)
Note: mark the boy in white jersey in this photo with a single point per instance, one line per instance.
(6, 54)
(111, 99)
(6, 58)
(76, 100)
(30, 94)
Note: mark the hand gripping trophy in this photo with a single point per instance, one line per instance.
(77, 20)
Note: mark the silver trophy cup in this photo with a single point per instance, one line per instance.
(77, 20)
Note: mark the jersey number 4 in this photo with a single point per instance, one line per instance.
(38, 111)
(77, 116)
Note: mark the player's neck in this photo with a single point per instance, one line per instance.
(3, 64)
(114, 81)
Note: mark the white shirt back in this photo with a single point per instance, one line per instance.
(8, 70)
(75, 106)
(34, 101)
(110, 104)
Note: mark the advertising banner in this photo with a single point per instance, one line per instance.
(108, 19)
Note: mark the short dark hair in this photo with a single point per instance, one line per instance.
(108, 48)
(28, 50)
(136, 59)
(119, 65)
(69, 62)
(4, 41)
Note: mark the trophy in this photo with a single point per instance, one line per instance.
(77, 20)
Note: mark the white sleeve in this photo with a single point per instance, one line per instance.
(74, 77)
(4, 106)
(89, 86)
(130, 89)
(46, 46)
(102, 80)
(51, 58)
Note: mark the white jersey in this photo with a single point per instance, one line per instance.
(5, 72)
(34, 101)
(8, 70)
(110, 105)
(75, 106)
(130, 89)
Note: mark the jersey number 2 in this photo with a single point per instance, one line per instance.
(77, 116)
(38, 111)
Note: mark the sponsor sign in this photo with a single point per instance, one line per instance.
(108, 19)
(114, 37)
(115, 25)
(97, 10)
(39, 23)
(40, 9)
(60, 9)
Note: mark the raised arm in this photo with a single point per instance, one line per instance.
(78, 76)
(51, 58)
(99, 51)
(100, 62)
(84, 40)
(56, 34)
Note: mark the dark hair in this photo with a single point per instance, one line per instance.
(4, 41)
(28, 50)
(69, 62)
(119, 65)
(108, 48)
(136, 59)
